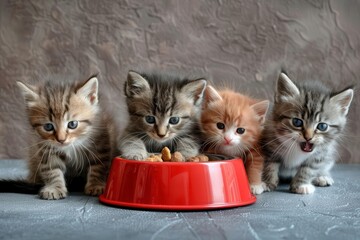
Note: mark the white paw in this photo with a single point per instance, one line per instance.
(323, 181)
(267, 188)
(305, 189)
(53, 192)
(258, 188)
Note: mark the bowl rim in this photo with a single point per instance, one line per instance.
(118, 158)
(143, 206)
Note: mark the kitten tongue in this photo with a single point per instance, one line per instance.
(306, 146)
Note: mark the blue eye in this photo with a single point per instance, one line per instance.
(150, 119)
(73, 124)
(297, 122)
(240, 130)
(48, 127)
(322, 127)
(174, 120)
(220, 125)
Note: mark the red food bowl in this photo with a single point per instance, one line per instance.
(177, 185)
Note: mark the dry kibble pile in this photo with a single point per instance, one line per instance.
(167, 156)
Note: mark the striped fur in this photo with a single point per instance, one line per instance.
(161, 98)
(304, 150)
(58, 155)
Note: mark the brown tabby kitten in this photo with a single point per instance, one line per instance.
(231, 124)
(71, 137)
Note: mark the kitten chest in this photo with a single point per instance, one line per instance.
(294, 157)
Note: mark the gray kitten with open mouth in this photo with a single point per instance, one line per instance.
(300, 139)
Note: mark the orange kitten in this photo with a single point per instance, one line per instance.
(231, 124)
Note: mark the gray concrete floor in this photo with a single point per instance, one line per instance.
(330, 213)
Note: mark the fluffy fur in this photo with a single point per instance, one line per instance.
(231, 125)
(70, 137)
(163, 111)
(300, 140)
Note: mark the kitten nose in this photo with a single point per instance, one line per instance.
(308, 134)
(161, 131)
(61, 140)
(227, 140)
(161, 135)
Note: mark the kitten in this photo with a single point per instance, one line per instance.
(70, 138)
(164, 111)
(231, 124)
(300, 140)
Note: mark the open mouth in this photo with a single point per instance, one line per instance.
(307, 146)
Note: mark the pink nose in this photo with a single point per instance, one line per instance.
(227, 140)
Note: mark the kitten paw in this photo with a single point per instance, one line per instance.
(94, 190)
(268, 187)
(303, 189)
(257, 188)
(53, 193)
(323, 181)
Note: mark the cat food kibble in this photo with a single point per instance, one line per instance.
(199, 158)
(203, 158)
(193, 159)
(177, 157)
(166, 154)
(154, 158)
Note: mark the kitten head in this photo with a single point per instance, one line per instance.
(309, 115)
(231, 122)
(61, 114)
(162, 107)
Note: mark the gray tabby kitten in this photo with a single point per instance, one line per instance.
(300, 140)
(164, 111)
(71, 137)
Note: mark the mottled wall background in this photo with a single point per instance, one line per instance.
(243, 44)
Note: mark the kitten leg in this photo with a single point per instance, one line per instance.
(133, 148)
(55, 186)
(96, 179)
(301, 183)
(271, 175)
(254, 167)
(323, 177)
(188, 148)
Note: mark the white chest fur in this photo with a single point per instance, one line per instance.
(293, 155)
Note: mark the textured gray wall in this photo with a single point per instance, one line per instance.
(243, 44)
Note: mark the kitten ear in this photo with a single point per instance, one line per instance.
(135, 84)
(89, 90)
(29, 92)
(261, 109)
(211, 95)
(195, 90)
(285, 89)
(342, 100)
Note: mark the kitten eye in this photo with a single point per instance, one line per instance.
(174, 120)
(48, 127)
(73, 124)
(220, 125)
(240, 130)
(150, 119)
(322, 127)
(297, 122)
